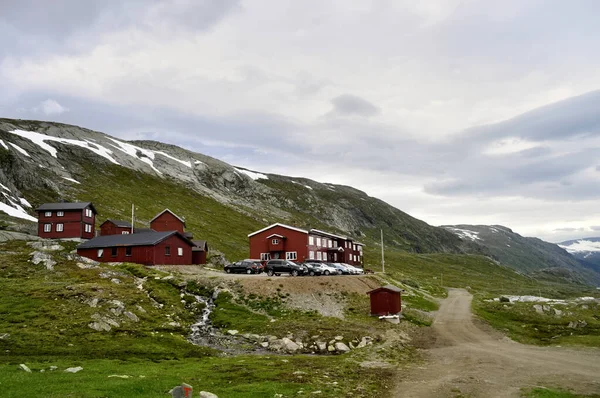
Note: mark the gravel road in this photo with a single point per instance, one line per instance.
(469, 361)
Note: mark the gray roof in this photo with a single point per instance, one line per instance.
(387, 287)
(199, 246)
(141, 239)
(66, 206)
(119, 223)
(137, 230)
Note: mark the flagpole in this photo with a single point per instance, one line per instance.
(132, 218)
(382, 259)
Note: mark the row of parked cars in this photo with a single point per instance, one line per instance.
(278, 267)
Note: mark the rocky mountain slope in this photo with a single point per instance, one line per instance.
(586, 251)
(43, 161)
(531, 256)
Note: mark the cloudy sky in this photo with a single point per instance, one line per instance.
(455, 111)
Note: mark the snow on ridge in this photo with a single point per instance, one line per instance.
(132, 151)
(199, 162)
(4, 187)
(465, 233)
(16, 211)
(40, 140)
(24, 202)
(255, 176)
(72, 180)
(4, 145)
(582, 245)
(18, 148)
(305, 186)
(183, 162)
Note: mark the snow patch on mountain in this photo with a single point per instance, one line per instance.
(4, 145)
(305, 186)
(255, 176)
(40, 140)
(4, 187)
(19, 149)
(464, 233)
(24, 202)
(183, 162)
(145, 155)
(72, 180)
(581, 246)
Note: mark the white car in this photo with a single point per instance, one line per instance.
(353, 269)
(328, 269)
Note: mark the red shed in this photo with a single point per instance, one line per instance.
(166, 220)
(199, 252)
(385, 300)
(115, 227)
(66, 220)
(149, 248)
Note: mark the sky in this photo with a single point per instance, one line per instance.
(454, 111)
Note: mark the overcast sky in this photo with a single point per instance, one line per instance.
(472, 111)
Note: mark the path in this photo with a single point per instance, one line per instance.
(468, 361)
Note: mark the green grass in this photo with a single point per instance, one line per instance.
(247, 376)
(552, 393)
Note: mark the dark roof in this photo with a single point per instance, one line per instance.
(140, 239)
(387, 287)
(66, 206)
(167, 210)
(118, 223)
(199, 246)
(188, 235)
(137, 230)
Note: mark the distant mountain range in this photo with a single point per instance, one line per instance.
(586, 251)
(531, 256)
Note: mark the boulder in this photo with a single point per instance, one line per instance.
(538, 308)
(25, 368)
(206, 394)
(322, 345)
(100, 326)
(341, 347)
(264, 344)
(131, 316)
(339, 338)
(330, 348)
(232, 332)
(40, 257)
(289, 345)
(74, 370)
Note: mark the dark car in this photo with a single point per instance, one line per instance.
(245, 266)
(278, 267)
(314, 268)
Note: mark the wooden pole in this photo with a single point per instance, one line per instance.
(382, 258)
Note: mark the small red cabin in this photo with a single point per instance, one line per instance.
(66, 220)
(385, 300)
(166, 220)
(149, 248)
(199, 252)
(115, 227)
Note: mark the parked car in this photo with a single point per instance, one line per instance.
(314, 268)
(278, 267)
(353, 270)
(342, 270)
(358, 270)
(329, 270)
(247, 266)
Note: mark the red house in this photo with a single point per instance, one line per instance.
(115, 227)
(385, 300)
(166, 220)
(295, 244)
(66, 220)
(148, 248)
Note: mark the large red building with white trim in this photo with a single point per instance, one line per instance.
(66, 220)
(295, 244)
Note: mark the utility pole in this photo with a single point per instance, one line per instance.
(441, 280)
(382, 259)
(132, 217)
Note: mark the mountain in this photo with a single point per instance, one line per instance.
(531, 256)
(586, 251)
(43, 161)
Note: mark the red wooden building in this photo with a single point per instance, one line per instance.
(199, 252)
(148, 248)
(385, 300)
(115, 227)
(295, 244)
(166, 220)
(66, 220)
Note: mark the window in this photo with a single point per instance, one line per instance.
(360, 249)
(355, 249)
(275, 241)
(88, 228)
(311, 255)
(47, 227)
(311, 240)
(355, 258)
(88, 212)
(60, 213)
(128, 251)
(59, 227)
(318, 241)
(167, 250)
(113, 251)
(265, 256)
(291, 256)
(180, 251)
(335, 243)
(124, 232)
(319, 256)
(48, 214)
(329, 243)
(100, 253)
(335, 257)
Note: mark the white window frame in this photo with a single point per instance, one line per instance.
(355, 260)
(291, 256)
(47, 227)
(100, 253)
(311, 240)
(60, 214)
(88, 227)
(60, 227)
(180, 251)
(319, 256)
(335, 243)
(329, 243)
(318, 242)
(88, 212)
(275, 241)
(311, 255)
(48, 214)
(265, 256)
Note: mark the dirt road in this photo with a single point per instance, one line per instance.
(468, 361)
